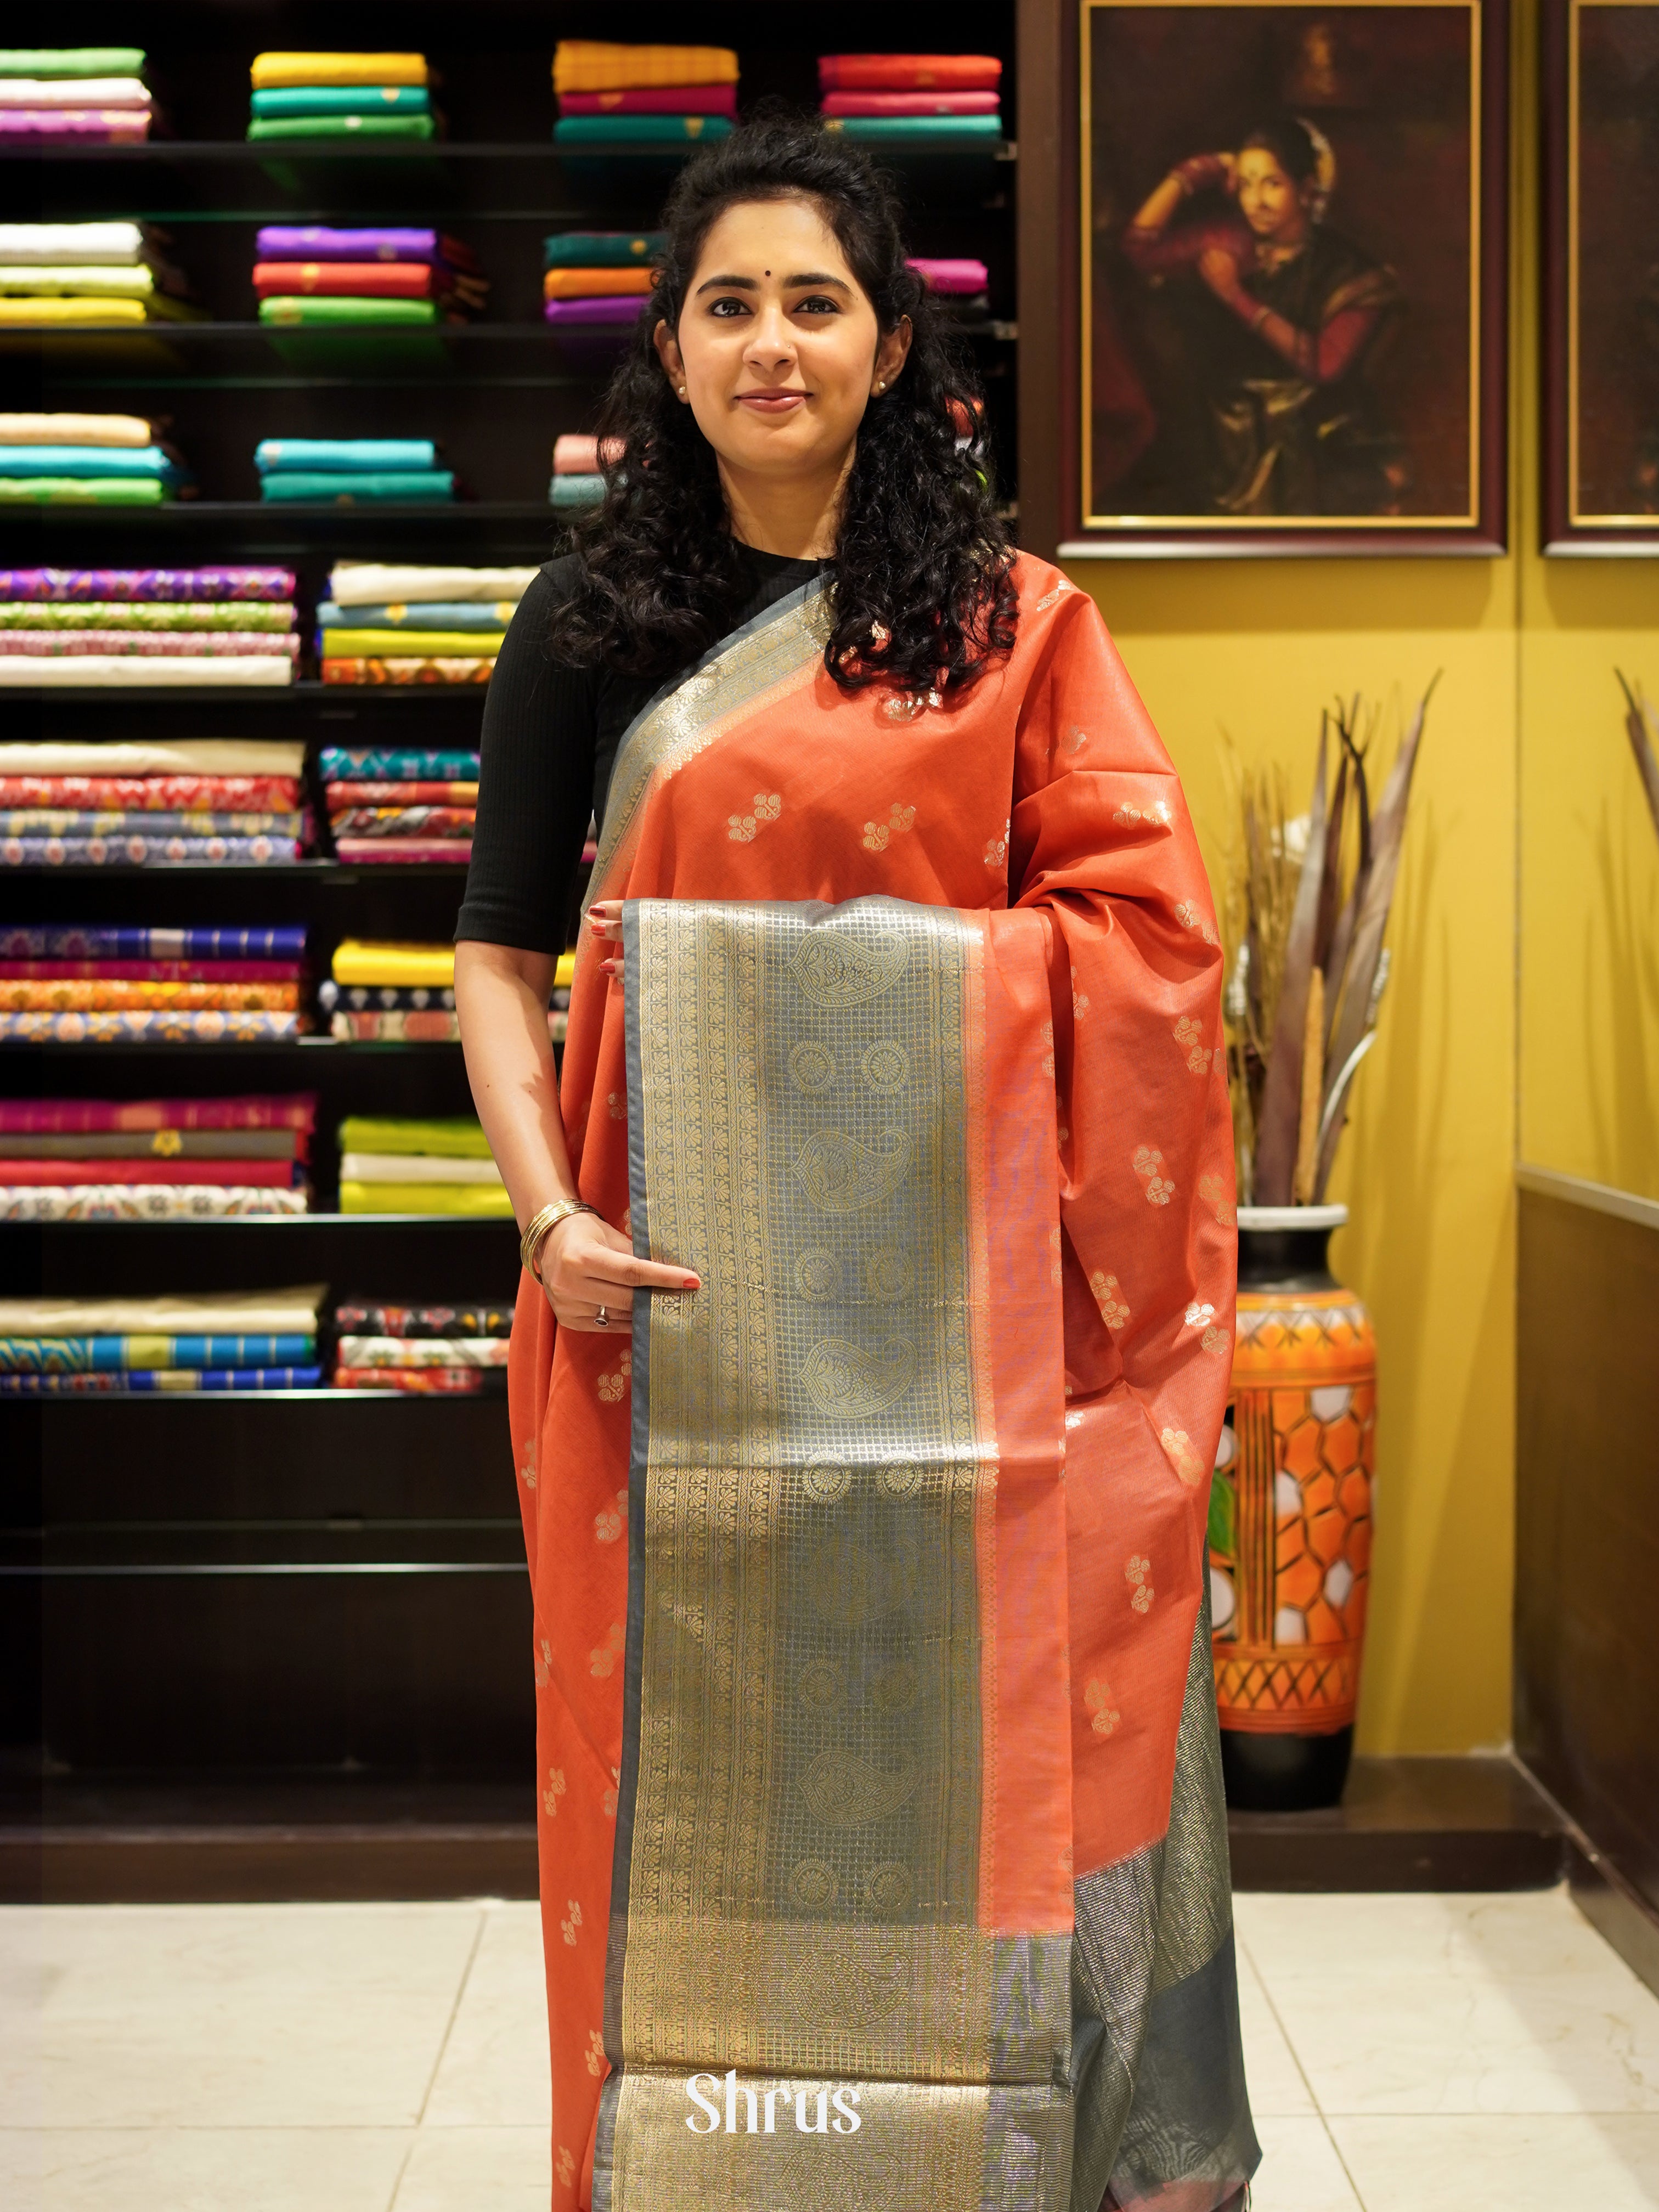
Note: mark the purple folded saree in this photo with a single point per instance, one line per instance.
(96, 124)
(147, 584)
(614, 312)
(310, 242)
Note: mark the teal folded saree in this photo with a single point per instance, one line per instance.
(343, 100)
(380, 485)
(625, 134)
(88, 461)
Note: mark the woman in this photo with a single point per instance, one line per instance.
(891, 1100)
(1283, 316)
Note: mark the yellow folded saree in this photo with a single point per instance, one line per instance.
(592, 65)
(361, 960)
(271, 70)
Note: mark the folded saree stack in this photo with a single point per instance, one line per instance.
(62, 983)
(942, 102)
(445, 1350)
(392, 625)
(577, 483)
(396, 1165)
(391, 804)
(106, 460)
(391, 994)
(343, 472)
(61, 275)
(153, 1159)
(392, 275)
(641, 100)
(94, 1347)
(227, 801)
(341, 95)
(148, 626)
(84, 95)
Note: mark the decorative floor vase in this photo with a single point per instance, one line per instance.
(1290, 1516)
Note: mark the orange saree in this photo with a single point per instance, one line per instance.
(884, 1862)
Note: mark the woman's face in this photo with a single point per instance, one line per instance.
(1270, 202)
(778, 351)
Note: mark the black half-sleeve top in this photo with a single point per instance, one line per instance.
(551, 735)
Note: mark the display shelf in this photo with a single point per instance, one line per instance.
(331, 1581)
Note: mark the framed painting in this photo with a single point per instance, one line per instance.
(1601, 278)
(1291, 262)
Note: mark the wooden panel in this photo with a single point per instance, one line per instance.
(1587, 1524)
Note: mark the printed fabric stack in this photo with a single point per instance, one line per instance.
(53, 274)
(342, 96)
(153, 1159)
(147, 626)
(391, 994)
(107, 460)
(98, 984)
(593, 283)
(439, 1167)
(387, 625)
(577, 483)
(225, 1340)
(92, 95)
(345, 470)
(943, 103)
(641, 100)
(394, 276)
(228, 801)
(452, 1352)
(389, 805)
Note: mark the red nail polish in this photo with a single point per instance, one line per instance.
(692, 1284)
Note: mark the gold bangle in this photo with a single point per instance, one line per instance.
(537, 1228)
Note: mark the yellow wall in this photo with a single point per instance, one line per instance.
(1589, 1069)
(1527, 834)
(1257, 649)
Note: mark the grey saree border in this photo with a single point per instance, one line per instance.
(619, 811)
(605, 2147)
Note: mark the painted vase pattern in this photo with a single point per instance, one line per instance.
(1291, 1513)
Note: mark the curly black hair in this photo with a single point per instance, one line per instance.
(919, 590)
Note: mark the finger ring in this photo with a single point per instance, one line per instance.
(602, 1318)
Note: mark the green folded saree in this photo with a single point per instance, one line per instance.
(485, 1201)
(71, 61)
(342, 126)
(145, 614)
(290, 308)
(453, 1136)
(95, 491)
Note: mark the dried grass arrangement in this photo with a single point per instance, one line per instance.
(1642, 724)
(1303, 916)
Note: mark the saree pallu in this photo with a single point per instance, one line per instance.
(876, 1732)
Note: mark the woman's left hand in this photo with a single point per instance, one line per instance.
(605, 926)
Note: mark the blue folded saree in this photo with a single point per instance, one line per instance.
(89, 461)
(351, 455)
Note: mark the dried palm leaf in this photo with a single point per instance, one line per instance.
(1279, 1119)
(1360, 985)
(1642, 725)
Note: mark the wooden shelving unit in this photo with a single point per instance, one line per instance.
(243, 1595)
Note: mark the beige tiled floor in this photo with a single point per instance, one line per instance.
(1405, 2054)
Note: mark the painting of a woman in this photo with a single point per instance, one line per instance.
(1277, 318)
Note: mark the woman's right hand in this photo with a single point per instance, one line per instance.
(588, 1268)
